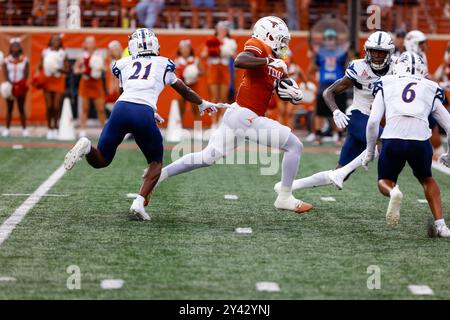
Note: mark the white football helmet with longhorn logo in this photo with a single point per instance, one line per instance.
(274, 32)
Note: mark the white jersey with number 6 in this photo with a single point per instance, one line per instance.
(408, 102)
(143, 78)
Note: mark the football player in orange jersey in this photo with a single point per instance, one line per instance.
(245, 118)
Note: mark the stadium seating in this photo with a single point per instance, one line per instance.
(434, 16)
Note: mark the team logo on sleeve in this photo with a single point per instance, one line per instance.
(377, 86)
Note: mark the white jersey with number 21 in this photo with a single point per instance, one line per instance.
(143, 78)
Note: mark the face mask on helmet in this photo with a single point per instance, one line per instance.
(281, 48)
(379, 48)
(273, 32)
(378, 59)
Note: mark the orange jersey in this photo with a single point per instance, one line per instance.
(257, 85)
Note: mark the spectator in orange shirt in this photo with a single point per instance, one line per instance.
(39, 13)
(90, 65)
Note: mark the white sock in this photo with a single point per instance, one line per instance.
(316, 180)
(285, 192)
(293, 149)
(352, 165)
(164, 175)
(140, 199)
(186, 163)
(439, 223)
(396, 187)
(88, 149)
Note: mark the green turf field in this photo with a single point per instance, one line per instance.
(190, 250)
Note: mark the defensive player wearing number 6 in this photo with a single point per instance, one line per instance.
(361, 74)
(407, 99)
(142, 77)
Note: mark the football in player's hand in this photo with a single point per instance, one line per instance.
(283, 84)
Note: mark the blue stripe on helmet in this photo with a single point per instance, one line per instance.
(143, 39)
(413, 62)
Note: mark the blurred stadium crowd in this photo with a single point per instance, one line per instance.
(430, 16)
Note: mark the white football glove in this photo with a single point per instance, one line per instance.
(290, 92)
(207, 106)
(279, 64)
(368, 156)
(222, 105)
(340, 119)
(158, 118)
(445, 159)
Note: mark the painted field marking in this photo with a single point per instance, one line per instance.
(132, 195)
(112, 284)
(17, 146)
(7, 279)
(328, 199)
(267, 286)
(422, 201)
(11, 223)
(245, 230)
(29, 194)
(420, 290)
(231, 197)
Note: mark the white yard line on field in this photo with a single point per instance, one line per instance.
(231, 197)
(29, 194)
(267, 286)
(112, 284)
(420, 290)
(244, 230)
(10, 224)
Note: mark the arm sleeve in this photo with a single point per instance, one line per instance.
(373, 125)
(442, 117)
(350, 72)
(377, 87)
(169, 75)
(116, 72)
(439, 98)
(253, 46)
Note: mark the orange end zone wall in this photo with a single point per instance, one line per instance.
(35, 40)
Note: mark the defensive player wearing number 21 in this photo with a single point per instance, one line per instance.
(142, 76)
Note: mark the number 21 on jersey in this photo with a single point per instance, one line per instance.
(137, 72)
